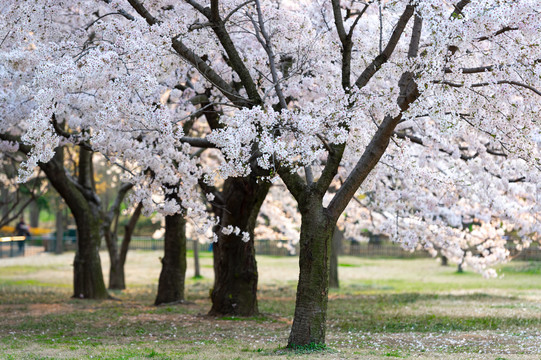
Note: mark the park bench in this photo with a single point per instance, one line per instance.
(11, 240)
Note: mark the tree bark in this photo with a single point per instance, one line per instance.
(59, 246)
(309, 322)
(116, 275)
(337, 238)
(235, 267)
(117, 278)
(85, 207)
(87, 273)
(197, 267)
(34, 214)
(444, 261)
(172, 276)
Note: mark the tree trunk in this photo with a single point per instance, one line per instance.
(4, 203)
(444, 260)
(34, 214)
(116, 269)
(337, 238)
(84, 204)
(309, 322)
(172, 276)
(87, 273)
(235, 267)
(197, 268)
(59, 246)
(116, 275)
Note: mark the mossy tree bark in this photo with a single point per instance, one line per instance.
(173, 274)
(88, 277)
(235, 267)
(309, 322)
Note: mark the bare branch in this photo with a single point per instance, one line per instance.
(267, 45)
(501, 31)
(205, 70)
(345, 39)
(141, 10)
(214, 10)
(76, 138)
(232, 12)
(459, 7)
(382, 58)
(198, 7)
(338, 21)
(415, 37)
(120, 12)
(499, 82)
(197, 142)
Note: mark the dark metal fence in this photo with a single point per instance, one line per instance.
(390, 250)
(10, 247)
(530, 254)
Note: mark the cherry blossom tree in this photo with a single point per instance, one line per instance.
(310, 91)
(450, 79)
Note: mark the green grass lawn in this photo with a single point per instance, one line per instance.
(384, 309)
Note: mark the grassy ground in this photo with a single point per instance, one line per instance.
(384, 309)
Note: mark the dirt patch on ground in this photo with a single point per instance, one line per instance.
(13, 314)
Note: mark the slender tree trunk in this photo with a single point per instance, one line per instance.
(235, 267)
(337, 238)
(172, 276)
(117, 278)
(116, 268)
(59, 246)
(309, 322)
(34, 214)
(116, 275)
(197, 268)
(4, 207)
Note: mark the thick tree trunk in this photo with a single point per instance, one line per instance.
(172, 276)
(87, 273)
(337, 238)
(444, 261)
(235, 267)
(309, 322)
(84, 204)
